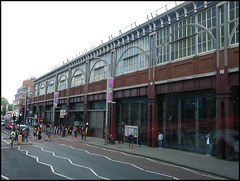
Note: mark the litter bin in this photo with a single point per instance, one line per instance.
(19, 138)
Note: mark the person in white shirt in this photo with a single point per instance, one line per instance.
(208, 146)
(160, 138)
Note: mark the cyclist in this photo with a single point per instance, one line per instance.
(12, 137)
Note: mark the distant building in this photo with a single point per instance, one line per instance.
(20, 97)
(177, 73)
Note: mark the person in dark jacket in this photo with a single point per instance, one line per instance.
(40, 136)
(130, 139)
(120, 137)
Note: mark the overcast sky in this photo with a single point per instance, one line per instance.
(36, 36)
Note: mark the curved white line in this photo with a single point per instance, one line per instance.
(73, 163)
(124, 163)
(52, 169)
(150, 159)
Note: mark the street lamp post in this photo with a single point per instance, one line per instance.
(56, 94)
(25, 111)
(106, 122)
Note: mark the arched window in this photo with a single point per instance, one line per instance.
(100, 68)
(42, 89)
(78, 79)
(50, 87)
(62, 83)
(131, 57)
(36, 91)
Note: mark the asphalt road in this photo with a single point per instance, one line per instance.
(68, 159)
(17, 165)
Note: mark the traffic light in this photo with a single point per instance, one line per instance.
(14, 116)
(20, 116)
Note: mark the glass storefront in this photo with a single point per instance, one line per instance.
(186, 118)
(49, 115)
(133, 112)
(96, 118)
(76, 114)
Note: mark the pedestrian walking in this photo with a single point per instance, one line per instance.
(60, 130)
(39, 136)
(85, 133)
(208, 146)
(48, 133)
(160, 138)
(130, 139)
(68, 130)
(75, 133)
(16, 137)
(23, 135)
(63, 131)
(34, 133)
(26, 134)
(12, 137)
(82, 132)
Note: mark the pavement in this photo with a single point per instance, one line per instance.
(209, 164)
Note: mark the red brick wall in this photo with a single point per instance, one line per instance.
(233, 58)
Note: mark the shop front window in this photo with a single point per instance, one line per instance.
(186, 118)
(132, 112)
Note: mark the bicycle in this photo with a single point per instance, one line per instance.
(12, 141)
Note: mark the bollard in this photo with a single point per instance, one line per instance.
(19, 138)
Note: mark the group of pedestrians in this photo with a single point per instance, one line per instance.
(37, 133)
(61, 130)
(67, 130)
(23, 132)
(82, 130)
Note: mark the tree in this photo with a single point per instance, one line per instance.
(4, 103)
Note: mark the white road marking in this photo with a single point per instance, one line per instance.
(206, 175)
(74, 163)
(52, 169)
(2, 176)
(167, 164)
(123, 163)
